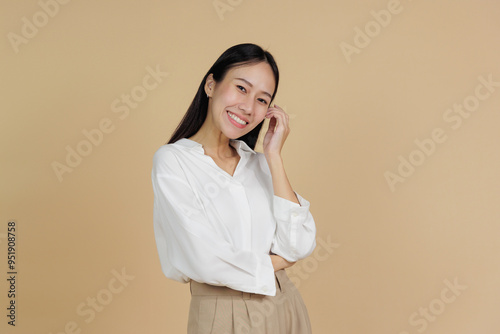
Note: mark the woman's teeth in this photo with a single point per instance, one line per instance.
(236, 118)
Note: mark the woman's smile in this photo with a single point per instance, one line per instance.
(236, 121)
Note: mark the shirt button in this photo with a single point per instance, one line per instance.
(294, 214)
(264, 289)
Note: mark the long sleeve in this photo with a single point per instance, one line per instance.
(295, 236)
(188, 244)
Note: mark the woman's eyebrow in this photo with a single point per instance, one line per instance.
(250, 84)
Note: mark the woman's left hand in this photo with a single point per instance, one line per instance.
(278, 131)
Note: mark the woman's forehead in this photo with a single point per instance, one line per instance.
(259, 74)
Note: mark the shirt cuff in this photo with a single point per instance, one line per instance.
(266, 281)
(295, 230)
(287, 210)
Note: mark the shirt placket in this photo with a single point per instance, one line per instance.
(242, 208)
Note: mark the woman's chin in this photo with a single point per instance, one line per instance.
(236, 134)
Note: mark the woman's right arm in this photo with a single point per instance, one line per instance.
(188, 244)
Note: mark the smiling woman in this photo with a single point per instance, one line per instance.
(241, 98)
(235, 57)
(226, 218)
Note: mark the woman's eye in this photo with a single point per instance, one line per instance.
(241, 88)
(263, 101)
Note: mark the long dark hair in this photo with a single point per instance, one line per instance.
(241, 54)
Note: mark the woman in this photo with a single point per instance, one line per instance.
(226, 218)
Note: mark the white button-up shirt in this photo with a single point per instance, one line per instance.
(219, 229)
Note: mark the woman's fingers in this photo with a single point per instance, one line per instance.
(280, 115)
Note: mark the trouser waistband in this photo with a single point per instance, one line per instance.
(203, 289)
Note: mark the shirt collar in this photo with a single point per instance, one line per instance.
(238, 144)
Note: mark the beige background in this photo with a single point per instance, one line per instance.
(390, 250)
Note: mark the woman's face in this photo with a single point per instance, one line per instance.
(240, 101)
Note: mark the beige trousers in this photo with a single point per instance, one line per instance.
(221, 310)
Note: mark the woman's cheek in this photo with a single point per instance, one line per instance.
(232, 97)
(262, 113)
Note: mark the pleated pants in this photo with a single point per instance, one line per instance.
(221, 310)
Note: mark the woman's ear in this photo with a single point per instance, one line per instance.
(209, 85)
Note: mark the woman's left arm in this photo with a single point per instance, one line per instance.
(273, 143)
(295, 236)
(281, 185)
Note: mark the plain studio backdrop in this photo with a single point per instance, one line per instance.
(394, 110)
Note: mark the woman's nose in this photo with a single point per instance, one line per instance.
(246, 105)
